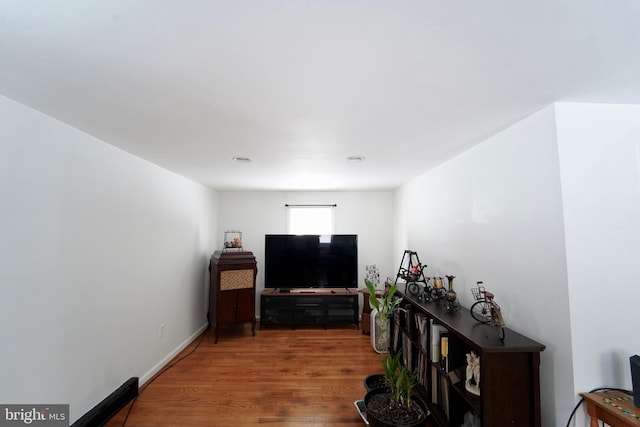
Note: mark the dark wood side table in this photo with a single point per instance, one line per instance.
(365, 324)
(612, 407)
(232, 293)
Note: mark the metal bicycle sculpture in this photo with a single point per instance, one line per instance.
(431, 289)
(485, 309)
(427, 290)
(419, 285)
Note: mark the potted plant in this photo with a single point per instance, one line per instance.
(384, 306)
(391, 405)
(373, 381)
(395, 405)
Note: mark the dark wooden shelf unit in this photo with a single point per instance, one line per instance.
(308, 307)
(232, 292)
(509, 369)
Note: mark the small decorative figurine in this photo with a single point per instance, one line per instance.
(472, 382)
(233, 239)
(372, 274)
(485, 309)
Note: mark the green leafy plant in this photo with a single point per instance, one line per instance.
(386, 304)
(397, 403)
(400, 381)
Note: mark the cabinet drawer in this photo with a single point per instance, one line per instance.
(342, 301)
(274, 316)
(309, 301)
(277, 302)
(309, 315)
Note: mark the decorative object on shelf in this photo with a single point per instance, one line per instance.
(233, 239)
(384, 307)
(437, 292)
(414, 272)
(411, 269)
(373, 275)
(450, 301)
(388, 283)
(437, 282)
(472, 382)
(411, 272)
(395, 405)
(485, 309)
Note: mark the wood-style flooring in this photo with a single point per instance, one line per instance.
(280, 377)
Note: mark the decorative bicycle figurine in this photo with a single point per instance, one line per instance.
(418, 284)
(485, 309)
(428, 289)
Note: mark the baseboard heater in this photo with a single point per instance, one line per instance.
(110, 406)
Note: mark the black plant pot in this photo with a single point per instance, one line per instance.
(417, 417)
(373, 381)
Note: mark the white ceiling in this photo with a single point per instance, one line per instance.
(299, 85)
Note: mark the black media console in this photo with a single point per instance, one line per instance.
(309, 307)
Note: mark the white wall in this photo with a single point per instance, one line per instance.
(494, 213)
(97, 249)
(599, 148)
(367, 214)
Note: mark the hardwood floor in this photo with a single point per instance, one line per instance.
(280, 377)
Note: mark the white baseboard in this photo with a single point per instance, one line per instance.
(158, 367)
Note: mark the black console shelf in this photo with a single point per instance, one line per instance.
(309, 307)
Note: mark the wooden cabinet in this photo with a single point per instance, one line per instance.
(232, 292)
(434, 343)
(309, 307)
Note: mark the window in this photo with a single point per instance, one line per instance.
(310, 219)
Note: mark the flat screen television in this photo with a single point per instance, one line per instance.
(310, 261)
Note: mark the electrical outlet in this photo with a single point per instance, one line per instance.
(161, 330)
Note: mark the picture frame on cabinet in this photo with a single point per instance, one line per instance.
(232, 240)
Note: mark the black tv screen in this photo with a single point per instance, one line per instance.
(311, 261)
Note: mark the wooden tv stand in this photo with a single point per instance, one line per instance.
(309, 307)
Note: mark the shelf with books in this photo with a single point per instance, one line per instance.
(435, 344)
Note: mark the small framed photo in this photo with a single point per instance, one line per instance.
(233, 240)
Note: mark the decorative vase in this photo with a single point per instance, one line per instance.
(451, 297)
(451, 294)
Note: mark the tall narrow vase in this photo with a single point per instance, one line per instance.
(451, 294)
